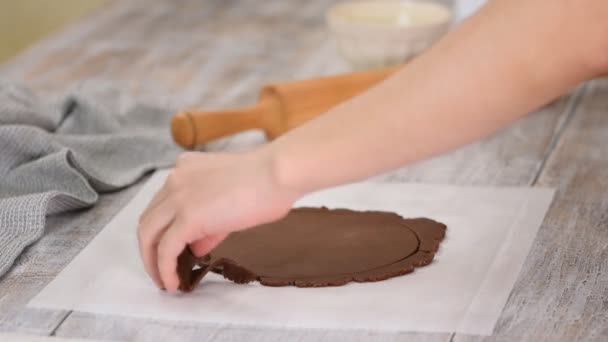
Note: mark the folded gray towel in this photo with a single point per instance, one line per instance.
(55, 158)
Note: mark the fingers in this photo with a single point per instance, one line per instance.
(149, 232)
(207, 244)
(171, 244)
(160, 237)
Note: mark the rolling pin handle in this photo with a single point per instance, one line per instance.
(183, 130)
(194, 127)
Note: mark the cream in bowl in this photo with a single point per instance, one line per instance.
(384, 33)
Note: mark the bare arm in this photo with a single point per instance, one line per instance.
(510, 58)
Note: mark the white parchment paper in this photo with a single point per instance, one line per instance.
(490, 231)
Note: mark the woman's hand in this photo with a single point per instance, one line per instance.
(204, 199)
(500, 64)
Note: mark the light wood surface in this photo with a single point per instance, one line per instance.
(188, 53)
(10, 337)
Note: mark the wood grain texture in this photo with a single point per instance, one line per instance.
(217, 53)
(562, 292)
(10, 337)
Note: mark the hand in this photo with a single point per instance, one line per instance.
(206, 197)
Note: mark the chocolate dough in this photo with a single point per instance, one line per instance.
(314, 247)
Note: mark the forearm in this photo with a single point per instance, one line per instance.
(496, 67)
(512, 57)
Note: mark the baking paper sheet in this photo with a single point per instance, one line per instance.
(490, 231)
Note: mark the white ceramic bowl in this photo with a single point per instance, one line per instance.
(383, 33)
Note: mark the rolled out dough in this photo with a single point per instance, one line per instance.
(313, 247)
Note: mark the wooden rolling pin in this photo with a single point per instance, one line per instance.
(281, 107)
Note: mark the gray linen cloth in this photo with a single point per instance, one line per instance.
(60, 157)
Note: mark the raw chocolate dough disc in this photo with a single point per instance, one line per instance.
(313, 247)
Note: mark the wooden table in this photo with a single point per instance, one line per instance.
(216, 53)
